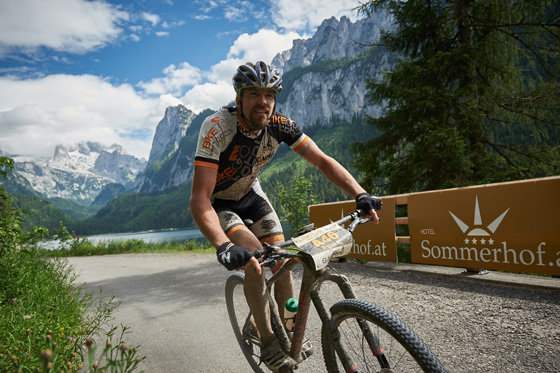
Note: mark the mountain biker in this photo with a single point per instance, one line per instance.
(234, 145)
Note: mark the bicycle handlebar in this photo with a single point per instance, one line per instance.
(270, 252)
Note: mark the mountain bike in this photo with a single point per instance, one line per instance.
(356, 335)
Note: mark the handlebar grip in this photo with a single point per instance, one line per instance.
(258, 253)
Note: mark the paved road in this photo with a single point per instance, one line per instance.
(174, 304)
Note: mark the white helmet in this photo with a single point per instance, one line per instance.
(257, 75)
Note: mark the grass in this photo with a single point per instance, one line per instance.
(83, 247)
(45, 320)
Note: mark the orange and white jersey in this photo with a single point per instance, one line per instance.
(226, 144)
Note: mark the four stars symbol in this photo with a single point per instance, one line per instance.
(477, 231)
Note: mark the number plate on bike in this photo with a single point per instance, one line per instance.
(325, 243)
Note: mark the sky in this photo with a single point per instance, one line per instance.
(105, 70)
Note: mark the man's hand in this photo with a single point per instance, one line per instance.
(233, 257)
(369, 205)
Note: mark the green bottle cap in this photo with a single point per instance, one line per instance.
(292, 305)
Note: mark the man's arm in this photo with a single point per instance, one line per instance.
(333, 171)
(204, 215)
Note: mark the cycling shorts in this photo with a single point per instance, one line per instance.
(253, 206)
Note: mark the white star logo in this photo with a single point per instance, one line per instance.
(477, 229)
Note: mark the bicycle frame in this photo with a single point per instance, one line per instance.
(309, 292)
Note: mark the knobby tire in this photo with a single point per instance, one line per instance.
(403, 350)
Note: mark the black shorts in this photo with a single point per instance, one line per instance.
(253, 206)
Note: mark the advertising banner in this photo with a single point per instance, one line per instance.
(507, 226)
(371, 241)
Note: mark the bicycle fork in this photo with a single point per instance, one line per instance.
(328, 322)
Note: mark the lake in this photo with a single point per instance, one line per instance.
(147, 236)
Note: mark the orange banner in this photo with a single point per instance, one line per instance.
(507, 226)
(371, 241)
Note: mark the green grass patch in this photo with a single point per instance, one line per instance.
(45, 320)
(83, 247)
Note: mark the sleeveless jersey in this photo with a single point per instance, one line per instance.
(226, 145)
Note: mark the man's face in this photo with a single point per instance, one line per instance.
(258, 104)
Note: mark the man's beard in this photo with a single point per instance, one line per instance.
(256, 124)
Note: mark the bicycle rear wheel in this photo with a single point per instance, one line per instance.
(376, 341)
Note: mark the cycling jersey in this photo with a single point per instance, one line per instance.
(239, 155)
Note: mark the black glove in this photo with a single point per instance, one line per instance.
(366, 202)
(232, 256)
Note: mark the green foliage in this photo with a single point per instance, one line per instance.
(140, 211)
(45, 320)
(39, 212)
(83, 247)
(295, 199)
(6, 164)
(109, 193)
(469, 73)
(79, 212)
(12, 233)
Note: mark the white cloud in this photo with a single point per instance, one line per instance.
(38, 114)
(150, 17)
(176, 79)
(209, 96)
(75, 26)
(162, 33)
(263, 45)
(306, 15)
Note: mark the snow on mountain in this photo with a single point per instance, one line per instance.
(79, 172)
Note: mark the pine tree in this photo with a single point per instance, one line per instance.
(468, 71)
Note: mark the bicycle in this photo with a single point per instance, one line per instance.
(356, 335)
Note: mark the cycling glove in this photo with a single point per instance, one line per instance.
(366, 202)
(232, 256)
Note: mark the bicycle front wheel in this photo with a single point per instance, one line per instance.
(242, 322)
(374, 340)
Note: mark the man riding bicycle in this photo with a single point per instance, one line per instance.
(234, 145)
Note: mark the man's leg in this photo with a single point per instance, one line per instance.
(284, 287)
(254, 286)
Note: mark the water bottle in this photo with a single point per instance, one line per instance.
(290, 311)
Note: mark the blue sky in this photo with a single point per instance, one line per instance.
(104, 71)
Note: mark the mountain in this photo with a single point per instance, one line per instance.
(171, 164)
(324, 83)
(77, 173)
(325, 76)
(333, 40)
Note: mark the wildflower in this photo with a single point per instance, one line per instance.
(69, 338)
(89, 343)
(46, 354)
(123, 347)
(13, 300)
